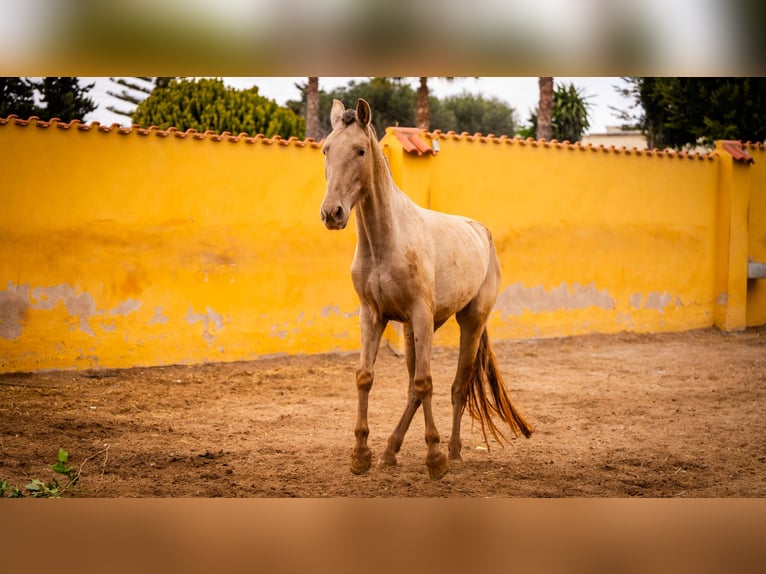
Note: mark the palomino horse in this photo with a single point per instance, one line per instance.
(418, 267)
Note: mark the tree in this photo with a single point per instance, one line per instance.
(392, 101)
(134, 91)
(423, 111)
(473, 113)
(644, 111)
(207, 104)
(313, 129)
(310, 106)
(64, 98)
(17, 96)
(681, 112)
(545, 109)
(569, 116)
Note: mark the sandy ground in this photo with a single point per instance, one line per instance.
(671, 415)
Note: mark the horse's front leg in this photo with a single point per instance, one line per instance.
(388, 458)
(372, 330)
(423, 330)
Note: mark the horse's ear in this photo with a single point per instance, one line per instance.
(336, 114)
(363, 113)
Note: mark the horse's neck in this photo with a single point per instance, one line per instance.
(378, 212)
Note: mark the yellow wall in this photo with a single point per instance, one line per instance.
(756, 288)
(126, 249)
(590, 239)
(136, 247)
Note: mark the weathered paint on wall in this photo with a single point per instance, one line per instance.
(127, 247)
(120, 249)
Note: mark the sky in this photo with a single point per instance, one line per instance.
(519, 92)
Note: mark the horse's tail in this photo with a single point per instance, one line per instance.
(486, 396)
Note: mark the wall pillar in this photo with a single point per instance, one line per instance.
(730, 307)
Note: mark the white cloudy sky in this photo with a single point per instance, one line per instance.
(520, 92)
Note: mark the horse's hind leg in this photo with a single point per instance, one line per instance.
(472, 320)
(413, 402)
(471, 328)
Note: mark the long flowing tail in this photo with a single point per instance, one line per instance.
(486, 396)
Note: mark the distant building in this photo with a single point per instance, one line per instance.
(617, 137)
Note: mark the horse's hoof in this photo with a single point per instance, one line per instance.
(437, 466)
(456, 459)
(361, 461)
(455, 447)
(387, 461)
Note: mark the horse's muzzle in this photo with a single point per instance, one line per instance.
(334, 218)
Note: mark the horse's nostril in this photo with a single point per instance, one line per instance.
(337, 214)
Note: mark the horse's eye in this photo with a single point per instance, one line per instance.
(324, 151)
(361, 152)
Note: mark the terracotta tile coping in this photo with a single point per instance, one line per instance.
(412, 139)
(154, 130)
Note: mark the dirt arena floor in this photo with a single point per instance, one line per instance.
(671, 415)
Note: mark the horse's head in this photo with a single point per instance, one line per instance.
(348, 167)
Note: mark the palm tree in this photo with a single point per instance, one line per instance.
(313, 130)
(545, 109)
(570, 116)
(423, 111)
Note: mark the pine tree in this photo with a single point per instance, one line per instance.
(134, 91)
(64, 98)
(17, 96)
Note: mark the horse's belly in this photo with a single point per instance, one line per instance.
(457, 283)
(452, 294)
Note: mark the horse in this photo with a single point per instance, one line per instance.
(418, 267)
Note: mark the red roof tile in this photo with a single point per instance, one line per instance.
(734, 149)
(411, 141)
